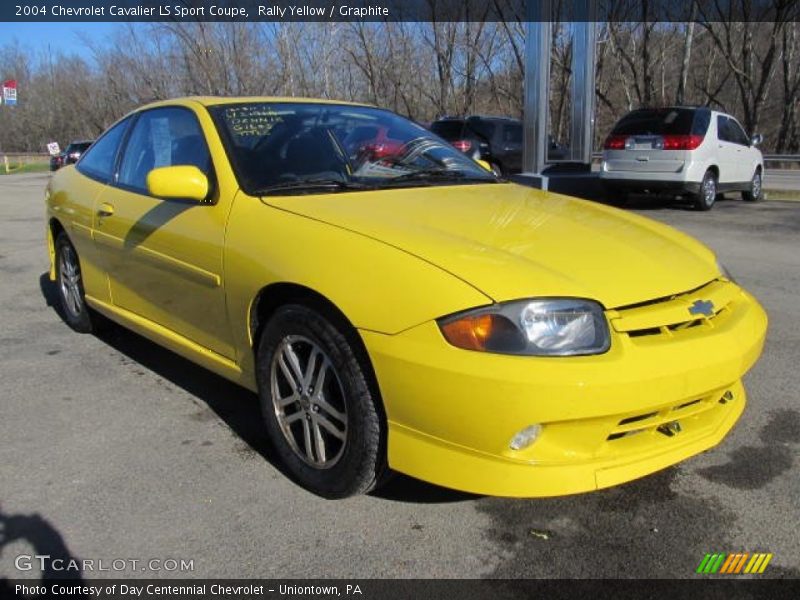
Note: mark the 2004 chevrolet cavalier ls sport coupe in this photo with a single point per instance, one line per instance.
(398, 307)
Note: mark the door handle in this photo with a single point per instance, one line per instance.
(105, 210)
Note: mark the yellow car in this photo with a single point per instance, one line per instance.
(395, 305)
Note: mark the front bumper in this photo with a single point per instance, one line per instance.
(452, 412)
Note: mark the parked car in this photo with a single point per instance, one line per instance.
(402, 309)
(691, 151)
(70, 155)
(496, 140)
(56, 161)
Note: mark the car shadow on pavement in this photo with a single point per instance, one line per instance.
(401, 488)
(654, 202)
(236, 406)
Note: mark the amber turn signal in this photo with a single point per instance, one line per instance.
(470, 333)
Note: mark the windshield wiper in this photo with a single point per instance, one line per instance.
(437, 175)
(311, 184)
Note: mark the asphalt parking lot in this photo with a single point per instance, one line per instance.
(114, 448)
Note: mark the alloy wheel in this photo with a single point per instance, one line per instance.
(309, 401)
(69, 281)
(756, 186)
(709, 191)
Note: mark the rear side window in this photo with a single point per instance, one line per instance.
(702, 119)
(722, 129)
(449, 130)
(512, 134)
(662, 121)
(162, 137)
(98, 162)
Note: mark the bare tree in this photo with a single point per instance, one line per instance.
(789, 133)
(680, 93)
(421, 69)
(750, 50)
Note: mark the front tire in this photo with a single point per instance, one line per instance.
(707, 194)
(69, 282)
(320, 411)
(756, 191)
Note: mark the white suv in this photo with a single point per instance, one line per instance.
(682, 150)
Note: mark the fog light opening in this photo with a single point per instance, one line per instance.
(526, 437)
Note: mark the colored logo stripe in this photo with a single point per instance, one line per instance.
(734, 563)
(711, 563)
(758, 563)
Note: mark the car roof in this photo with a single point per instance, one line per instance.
(676, 107)
(483, 117)
(684, 107)
(217, 100)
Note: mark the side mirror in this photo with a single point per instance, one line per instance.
(756, 139)
(184, 181)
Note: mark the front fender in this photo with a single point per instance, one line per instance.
(378, 287)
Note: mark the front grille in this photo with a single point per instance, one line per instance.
(660, 420)
(670, 316)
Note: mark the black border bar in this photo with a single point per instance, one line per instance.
(389, 10)
(727, 588)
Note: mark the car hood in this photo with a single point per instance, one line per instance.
(512, 242)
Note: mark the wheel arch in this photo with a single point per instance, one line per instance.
(271, 297)
(54, 229)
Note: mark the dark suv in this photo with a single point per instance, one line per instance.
(497, 140)
(70, 155)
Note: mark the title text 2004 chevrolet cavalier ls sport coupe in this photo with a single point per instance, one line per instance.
(395, 305)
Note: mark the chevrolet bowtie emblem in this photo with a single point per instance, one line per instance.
(702, 307)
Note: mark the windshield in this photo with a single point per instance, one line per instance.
(300, 147)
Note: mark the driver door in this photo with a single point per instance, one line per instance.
(164, 257)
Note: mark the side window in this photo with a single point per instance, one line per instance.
(738, 136)
(512, 134)
(484, 129)
(98, 161)
(723, 132)
(702, 119)
(162, 137)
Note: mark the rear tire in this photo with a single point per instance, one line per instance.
(707, 195)
(69, 283)
(756, 191)
(332, 439)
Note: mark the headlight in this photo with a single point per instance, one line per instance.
(536, 327)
